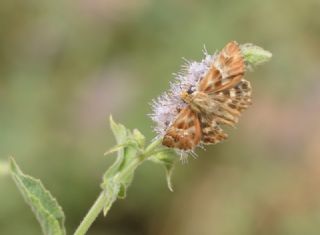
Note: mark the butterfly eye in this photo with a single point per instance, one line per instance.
(191, 90)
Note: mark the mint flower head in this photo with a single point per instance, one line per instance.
(166, 107)
(204, 96)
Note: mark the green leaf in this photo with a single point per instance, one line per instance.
(255, 55)
(131, 153)
(119, 176)
(111, 191)
(166, 158)
(139, 137)
(118, 147)
(123, 191)
(116, 183)
(121, 134)
(43, 204)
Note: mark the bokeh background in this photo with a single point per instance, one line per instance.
(65, 66)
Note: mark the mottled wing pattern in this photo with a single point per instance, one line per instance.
(225, 87)
(210, 81)
(227, 70)
(185, 132)
(233, 102)
(211, 131)
(228, 90)
(240, 96)
(231, 64)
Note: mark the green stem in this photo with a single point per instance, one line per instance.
(153, 146)
(149, 151)
(92, 214)
(102, 200)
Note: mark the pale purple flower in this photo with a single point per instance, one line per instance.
(166, 107)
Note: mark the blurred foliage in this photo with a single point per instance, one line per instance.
(66, 65)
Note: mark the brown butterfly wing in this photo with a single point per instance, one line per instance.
(226, 72)
(211, 81)
(185, 132)
(211, 131)
(237, 98)
(232, 102)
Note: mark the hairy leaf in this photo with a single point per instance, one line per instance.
(43, 204)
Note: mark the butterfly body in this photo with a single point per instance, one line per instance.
(217, 99)
(199, 102)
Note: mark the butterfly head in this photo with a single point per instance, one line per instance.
(186, 96)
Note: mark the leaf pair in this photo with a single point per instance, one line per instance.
(131, 152)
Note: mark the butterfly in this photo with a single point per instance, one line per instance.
(218, 99)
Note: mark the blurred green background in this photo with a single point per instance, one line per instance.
(65, 66)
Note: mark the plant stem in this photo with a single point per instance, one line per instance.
(151, 147)
(92, 214)
(102, 200)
